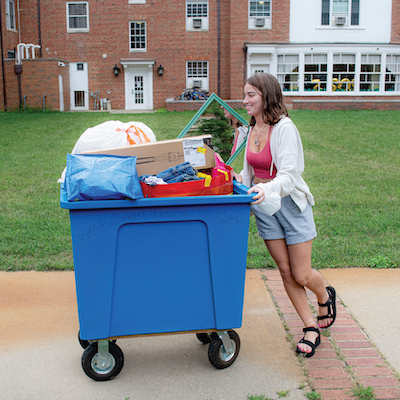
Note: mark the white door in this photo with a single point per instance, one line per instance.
(61, 92)
(138, 90)
(79, 86)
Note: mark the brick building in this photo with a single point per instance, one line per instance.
(140, 54)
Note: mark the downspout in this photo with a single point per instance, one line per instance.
(2, 58)
(39, 29)
(19, 30)
(244, 64)
(219, 48)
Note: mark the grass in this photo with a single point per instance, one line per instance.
(352, 169)
(363, 393)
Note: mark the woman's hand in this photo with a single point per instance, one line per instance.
(259, 197)
(237, 177)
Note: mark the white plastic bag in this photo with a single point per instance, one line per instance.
(112, 134)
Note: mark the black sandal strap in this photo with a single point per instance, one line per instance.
(308, 343)
(327, 304)
(331, 304)
(311, 329)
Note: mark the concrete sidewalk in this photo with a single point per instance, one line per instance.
(41, 357)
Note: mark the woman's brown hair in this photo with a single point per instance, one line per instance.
(270, 91)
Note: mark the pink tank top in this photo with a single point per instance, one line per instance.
(261, 162)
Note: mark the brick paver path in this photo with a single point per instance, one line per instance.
(345, 356)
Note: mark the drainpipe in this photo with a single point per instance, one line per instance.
(39, 29)
(2, 59)
(18, 71)
(244, 64)
(219, 48)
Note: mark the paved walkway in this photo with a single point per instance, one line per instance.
(40, 356)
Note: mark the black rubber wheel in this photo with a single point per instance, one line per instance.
(204, 337)
(217, 353)
(93, 370)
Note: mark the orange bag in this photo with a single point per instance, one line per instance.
(219, 182)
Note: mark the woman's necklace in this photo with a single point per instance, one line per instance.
(256, 142)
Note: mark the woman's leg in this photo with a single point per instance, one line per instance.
(283, 256)
(304, 275)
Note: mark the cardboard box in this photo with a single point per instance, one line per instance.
(155, 157)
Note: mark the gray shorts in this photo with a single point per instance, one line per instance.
(288, 223)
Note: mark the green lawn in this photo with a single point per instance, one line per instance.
(352, 168)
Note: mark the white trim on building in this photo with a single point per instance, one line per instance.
(330, 69)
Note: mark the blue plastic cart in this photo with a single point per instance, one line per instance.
(159, 265)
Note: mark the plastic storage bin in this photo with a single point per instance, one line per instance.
(159, 265)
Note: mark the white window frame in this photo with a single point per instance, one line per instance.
(372, 78)
(197, 71)
(201, 18)
(286, 68)
(334, 14)
(10, 15)
(72, 30)
(137, 1)
(315, 83)
(344, 80)
(260, 15)
(393, 64)
(137, 49)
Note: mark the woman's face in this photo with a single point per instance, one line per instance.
(253, 100)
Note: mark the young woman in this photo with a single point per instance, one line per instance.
(273, 165)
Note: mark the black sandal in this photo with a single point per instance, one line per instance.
(308, 343)
(331, 304)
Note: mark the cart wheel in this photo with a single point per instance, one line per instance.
(110, 368)
(204, 337)
(86, 343)
(218, 355)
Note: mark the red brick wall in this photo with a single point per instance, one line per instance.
(395, 39)
(39, 78)
(168, 44)
(359, 103)
(109, 34)
(195, 105)
(241, 35)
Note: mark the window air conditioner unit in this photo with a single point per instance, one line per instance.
(197, 23)
(259, 22)
(197, 84)
(340, 20)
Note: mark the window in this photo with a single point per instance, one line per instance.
(79, 67)
(78, 17)
(392, 76)
(11, 54)
(139, 93)
(196, 14)
(288, 72)
(315, 72)
(259, 14)
(340, 13)
(344, 69)
(10, 14)
(137, 36)
(370, 72)
(197, 74)
(79, 98)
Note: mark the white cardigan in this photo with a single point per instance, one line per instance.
(287, 155)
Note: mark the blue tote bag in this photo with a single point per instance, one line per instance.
(101, 177)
